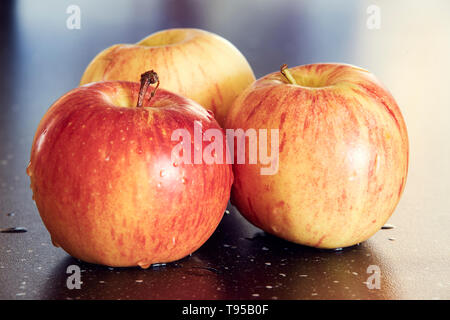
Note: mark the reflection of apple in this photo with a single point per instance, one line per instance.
(343, 155)
(194, 63)
(104, 182)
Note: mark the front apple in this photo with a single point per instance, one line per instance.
(343, 155)
(105, 182)
(193, 63)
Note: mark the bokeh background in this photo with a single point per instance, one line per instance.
(41, 59)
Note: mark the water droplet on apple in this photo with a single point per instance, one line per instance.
(13, 230)
(175, 164)
(54, 243)
(173, 240)
(29, 171)
(139, 151)
(158, 185)
(162, 173)
(377, 163)
(107, 158)
(183, 180)
(143, 264)
(353, 176)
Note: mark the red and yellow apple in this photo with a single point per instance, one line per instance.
(105, 183)
(193, 63)
(343, 155)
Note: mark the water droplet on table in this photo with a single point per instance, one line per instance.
(13, 230)
(158, 265)
(211, 269)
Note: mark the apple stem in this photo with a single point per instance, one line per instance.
(285, 72)
(147, 78)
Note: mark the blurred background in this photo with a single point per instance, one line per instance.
(405, 43)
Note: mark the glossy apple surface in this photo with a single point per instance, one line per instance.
(343, 155)
(193, 63)
(105, 185)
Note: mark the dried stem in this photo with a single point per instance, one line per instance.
(147, 78)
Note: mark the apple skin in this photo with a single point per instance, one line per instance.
(194, 63)
(343, 155)
(105, 185)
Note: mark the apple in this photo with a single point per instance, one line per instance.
(105, 182)
(343, 155)
(193, 63)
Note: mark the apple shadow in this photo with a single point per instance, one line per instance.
(258, 265)
(239, 261)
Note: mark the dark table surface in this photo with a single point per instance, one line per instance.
(40, 59)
